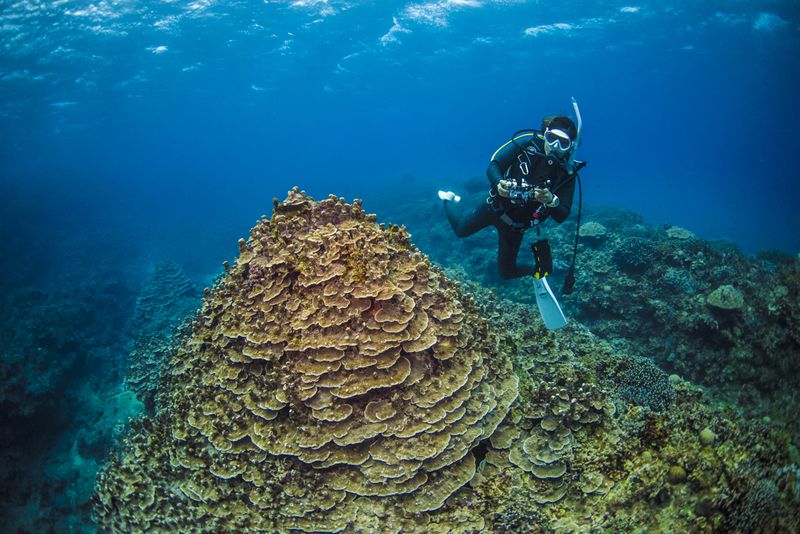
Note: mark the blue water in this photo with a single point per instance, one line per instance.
(171, 120)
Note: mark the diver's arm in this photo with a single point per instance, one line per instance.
(565, 193)
(494, 173)
(503, 158)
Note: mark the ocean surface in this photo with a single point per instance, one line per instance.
(134, 133)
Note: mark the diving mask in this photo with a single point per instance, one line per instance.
(557, 140)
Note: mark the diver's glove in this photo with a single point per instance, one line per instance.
(503, 186)
(449, 196)
(546, 197)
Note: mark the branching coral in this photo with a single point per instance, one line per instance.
(634, 255)
(756, 512)
(645, 384)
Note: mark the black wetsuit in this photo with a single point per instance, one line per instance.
(520, 159)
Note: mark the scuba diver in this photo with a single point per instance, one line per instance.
(532, 178)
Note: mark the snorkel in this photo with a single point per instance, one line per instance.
(578, 136)
(577, 116)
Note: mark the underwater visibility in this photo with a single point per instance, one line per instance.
(448, 266)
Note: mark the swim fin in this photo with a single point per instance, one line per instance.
(548, 305)
(449, 196)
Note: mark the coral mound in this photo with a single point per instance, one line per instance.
(593, 229)
(676, 232)
(333, 378)
(726, 297)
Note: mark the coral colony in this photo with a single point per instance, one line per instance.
(332, 370)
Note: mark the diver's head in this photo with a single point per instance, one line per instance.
(560, 135)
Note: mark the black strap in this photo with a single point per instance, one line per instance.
(569, 280)
(544, 258)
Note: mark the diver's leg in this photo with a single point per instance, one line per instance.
(481, 217)
(509, 242)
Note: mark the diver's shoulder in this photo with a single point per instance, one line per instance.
(527, 140)
(528, 136)
(535, 144)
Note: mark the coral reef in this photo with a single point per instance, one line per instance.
(727, 320)
(575, 455)
(59, 367)
(166, 299)
(332, 378)
(599, 439)
(289, 408)
(67, 292)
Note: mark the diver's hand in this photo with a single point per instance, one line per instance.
(503, 186)
(544, 196)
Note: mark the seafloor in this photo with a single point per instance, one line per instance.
(333, 378)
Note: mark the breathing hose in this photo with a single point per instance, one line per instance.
(569, 279)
